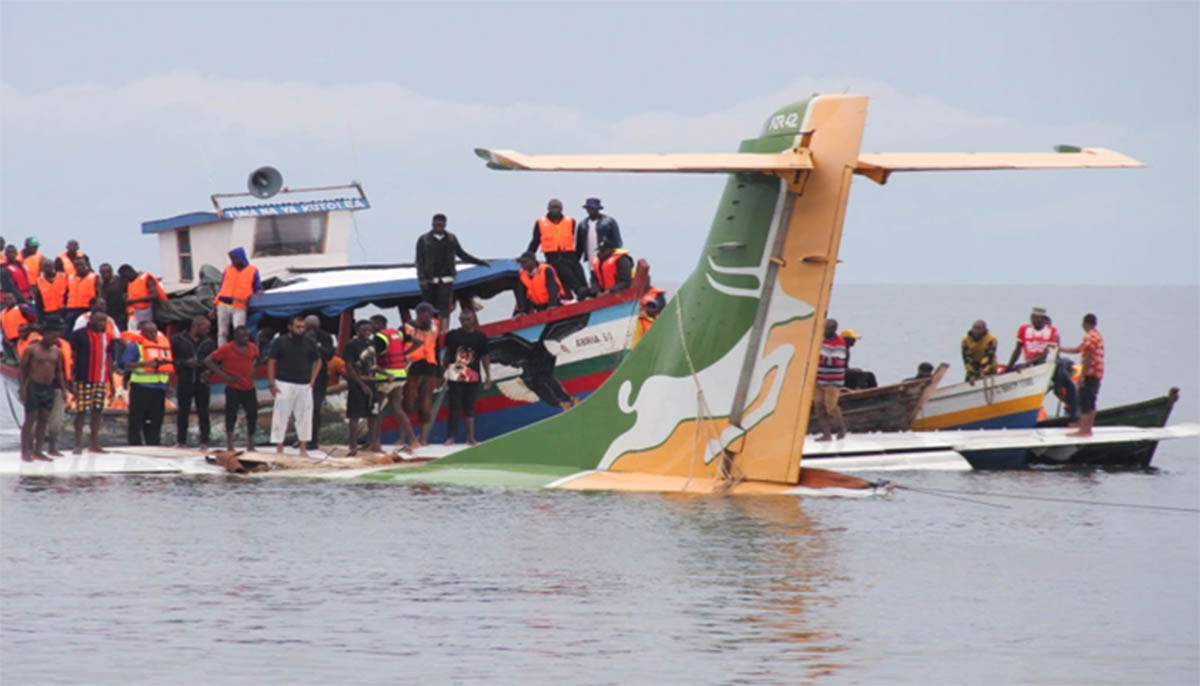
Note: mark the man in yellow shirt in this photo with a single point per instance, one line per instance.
(979, 351)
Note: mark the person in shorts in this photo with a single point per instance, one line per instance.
(92, 378)
(42, 377)
(465, 356)
(362, 398)
(1091, 349)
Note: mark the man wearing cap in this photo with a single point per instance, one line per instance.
(1034, 339)
(423, 367)
(612, 269)
(554, 233)
(32, 257)
(831, 377)
(856, 378)
(539, 287)
(437, 253)
(597, 228)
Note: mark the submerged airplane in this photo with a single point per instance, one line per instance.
(716, 396)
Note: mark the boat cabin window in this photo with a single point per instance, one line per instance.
(299, 234)
(183, 241)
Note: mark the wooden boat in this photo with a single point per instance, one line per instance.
(887, 408)
(1152, 413)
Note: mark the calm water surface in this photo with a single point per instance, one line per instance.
(161, 580)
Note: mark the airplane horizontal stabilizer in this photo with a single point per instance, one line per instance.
(791, 160)
(879, 166)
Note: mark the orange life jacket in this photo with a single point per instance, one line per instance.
(393, 363)
(81, 290)
(558, 237)
(158, 349)
(33, 263)
(68, 264)
(64, 348)
(140, 288)
(427, 351)
(10, 321)
(54, 293)
(237, 284)
(535, 284)
(643, 325)
(652, 294)
(606, 272)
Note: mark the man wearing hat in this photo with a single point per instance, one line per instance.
(32, 257)
(1034, 339)
(596, 229)
(856, 378)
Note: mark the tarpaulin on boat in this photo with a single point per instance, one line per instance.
(332, 291)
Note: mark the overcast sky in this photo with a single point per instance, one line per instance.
(113, 114)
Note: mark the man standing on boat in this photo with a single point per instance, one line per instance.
(240, 281)
(190, 348)
(142, 290)
(238, 359)
(41, 380)
(292, 370)
(82, 287)
(91, 347)
(16, 280)
(831, 377)
(51, 290)
(325, 347)
(65, 262)
(437, 255)
(596, 229)
(1092, 352)
(554, 233)
(32, 257)
(979, 352)
(112, 289)
(12, 317)
(149, 359)
(423, 369)
(539, 286)
(1034, 339)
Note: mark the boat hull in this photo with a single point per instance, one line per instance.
(1151, 413)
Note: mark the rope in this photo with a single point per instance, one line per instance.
(1075, 501)
(703, 412)
(950, 497)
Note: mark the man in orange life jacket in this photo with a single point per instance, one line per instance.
(149, 359)
(11, 319)
(423, 369)
(240, 281)
(652, 305)
(392, 348)
(555, 235)
(32, 258)
(65, 262)
(539, 285)
(142, 290)
(612, 269)
(51, 290)
(82, 287)
(15, 279)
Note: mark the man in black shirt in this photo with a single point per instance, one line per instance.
(362, 356)
(465, 352)
(189, 349)
(292, 370)
(436, 266)
(325, 347)
(112, 288)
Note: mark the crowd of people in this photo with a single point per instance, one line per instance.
(88, 340)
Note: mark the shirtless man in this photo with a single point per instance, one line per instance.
(41, 378)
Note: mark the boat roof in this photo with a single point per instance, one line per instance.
(332, 291)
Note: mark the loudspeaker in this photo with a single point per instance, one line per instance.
(264, 182)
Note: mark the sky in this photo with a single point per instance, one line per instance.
(114, 114)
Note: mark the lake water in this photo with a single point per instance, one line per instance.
(167, 580)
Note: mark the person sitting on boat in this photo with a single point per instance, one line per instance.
(596, 229)
(51, 290)
(424, 371)
(539, 286)
(554, 233)
(1034, 339)
(237, 362)
(612, 269)
(42, 380)
(15, 279)
(149, 360)
(1091, 350)
(437, 254)
(652, 305)
(65, 262)
(12, 317)
(924, 371)
(239, 282)
(979, 352)
(391, 372)
(831, 377)
(82, 287)
(92, 377)
(856, 378)
(32, 257)
(142, 290)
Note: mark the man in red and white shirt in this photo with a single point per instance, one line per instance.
(831, 378)
(1092, 352)
(1034, 339)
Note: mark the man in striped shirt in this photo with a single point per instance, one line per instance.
(831, 377)
(1092, 351)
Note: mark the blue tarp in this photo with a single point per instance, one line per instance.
(370, 287)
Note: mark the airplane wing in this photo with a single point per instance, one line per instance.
(794, 160)
(879, 166)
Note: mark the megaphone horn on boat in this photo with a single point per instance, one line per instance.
(264, 182)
